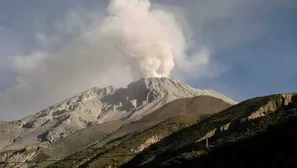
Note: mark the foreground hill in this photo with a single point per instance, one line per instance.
(260, 132)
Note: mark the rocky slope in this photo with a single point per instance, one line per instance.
(94, 107)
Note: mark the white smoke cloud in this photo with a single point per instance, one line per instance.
(131, 41)
(143, 34)
(151, 37)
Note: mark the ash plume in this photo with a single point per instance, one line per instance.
(147, 36)
(131, 40)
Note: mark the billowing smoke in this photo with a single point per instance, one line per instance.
(146, 35)
(132, 40)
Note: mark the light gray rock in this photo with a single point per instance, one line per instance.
(96, 106)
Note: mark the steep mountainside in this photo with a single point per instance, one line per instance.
(177, 114)
(93, 139)
(94, 107)
(243, 135)
(119, 151)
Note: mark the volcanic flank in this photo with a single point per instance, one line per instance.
(99, 105)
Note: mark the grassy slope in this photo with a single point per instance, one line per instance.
(264, 142)
(119, 152)
(180, 142)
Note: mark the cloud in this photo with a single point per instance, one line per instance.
(152, 38)
(84, 48)
(91, 48)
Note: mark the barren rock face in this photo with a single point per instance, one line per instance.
(273, 105)
(149, 142)
(96, 106)
(24, 155)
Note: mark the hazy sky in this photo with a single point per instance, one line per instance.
(50, 50)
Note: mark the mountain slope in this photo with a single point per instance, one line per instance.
(273, 146)
(186, 106)
(274, 151)
(246, 120)
(97, 106)
(97, 136)
(119, 151)
(178, 114)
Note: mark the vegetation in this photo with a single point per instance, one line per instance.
(183, 144)
(266, 142)
(119, 151)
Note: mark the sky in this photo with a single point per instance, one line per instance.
(51, 50)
